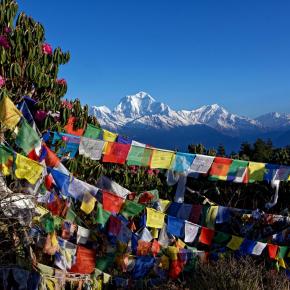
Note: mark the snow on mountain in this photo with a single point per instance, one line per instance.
(274, 120)
(142, 110)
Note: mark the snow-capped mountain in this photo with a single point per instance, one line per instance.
(143, 110)
(144, 119)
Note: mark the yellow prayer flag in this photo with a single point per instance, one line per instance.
(154, 233)
(180, 244)
(172, 252)
(109, 136)
(106, 278)
(282, 263)
(27, 169)
(155, 219)
(161, 159)
(54, 241)
(256, 171)
(164, 262)
(234, 243)
(211, 216)
(40, 211)
(88, 203)
(164, 203)
(9, 114)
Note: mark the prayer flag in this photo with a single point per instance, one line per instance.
(88, 203)
(182, 162)
(112, 202)
(123, 140)
(201, 163)
(237, 171)
(247, 247)
(195, 213)
(116, 153)
(77, 188)
(184, 211)
(27, 169)
(6, 160)
(191, 231)
(221, 238)
(109, 136)
(91, 148)
(114, 225)
(9, 114)
(163, 237)
(82, 235)
(220, 168)
(206, 236)
(139, 156)
(258, 249)
(102, 215)
(272, 251)
(235, 242)
(211, 216)
(282, 252)
(136, 143)
(256, 171)
(124, 234)
(282, 173)
(270, 171)
(161, 159)
(131, 209)
(62, 181)
(92, 132)
(155, 219)
(175, 226)
(223, 215)
(51, 160)
(145, 235)
(27, 138)
(142, 266)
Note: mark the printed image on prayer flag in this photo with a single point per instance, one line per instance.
(91, 148)
(237, 171)
(182, 161)
(116, 153)
(161, 159)
(220, 168)
(256, 171)
(155, 219)
(111, 202)
(9, 114)
(92, 132)
(201, 163)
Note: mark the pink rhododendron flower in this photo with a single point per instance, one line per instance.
(67, 104)
(2, 81)
(40, 115)
(7, 30)
(46, 49)
(150, 171)
(4, 41)
(61, 82)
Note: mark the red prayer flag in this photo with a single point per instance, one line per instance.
(272, 250)
(114, 225)
(195, 213)
(112, 202)
(176, 268)
(155, 248)
(206, 236)
(51, 159)
(116, 153)
(220, 167)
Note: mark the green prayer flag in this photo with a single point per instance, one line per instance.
(6, 160)
(131, 209)
(135, 155)
(221, 238)
(48, 223)
(70, 215)
(92, 132)
(102, 215)
(103, 263)
(237, 169)
(282, 252)
(27, 138)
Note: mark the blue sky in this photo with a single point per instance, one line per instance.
(185, 53)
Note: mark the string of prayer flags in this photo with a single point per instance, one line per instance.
(116, 153)
(220, 168)
(28, 169)
(27, 138)
(112, 202)
(9, 114)
(237, 171)
(6, 160)
(109, 136)
(161, 159)
(175, 226)
(88, 203)
(182, 162)
(154, 218)
(190, 232)
(201, 164)
(206, 236)
(91, 148)
(235, 243)
(92, 132)
(256, 171)
(131, 209)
